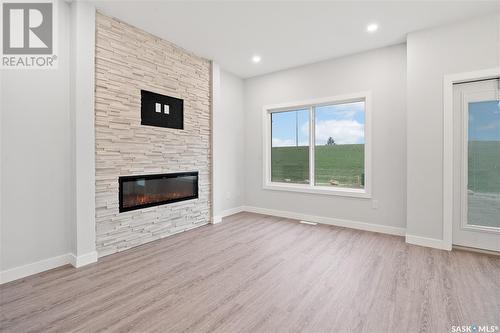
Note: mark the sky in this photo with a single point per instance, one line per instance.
(484, 121)
(343, 122)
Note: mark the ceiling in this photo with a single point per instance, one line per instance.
(286, 33)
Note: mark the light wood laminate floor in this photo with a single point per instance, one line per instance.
(256, 273)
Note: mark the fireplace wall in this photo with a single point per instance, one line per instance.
(128, 60)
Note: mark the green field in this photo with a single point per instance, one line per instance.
(344, 164)
(339, 165)
(484, 166)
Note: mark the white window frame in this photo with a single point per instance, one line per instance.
(465, 99)
(311, 105)
(448, 147)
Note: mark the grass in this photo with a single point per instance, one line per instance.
(484, 166)
(342, 165)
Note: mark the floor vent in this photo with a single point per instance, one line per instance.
(307, 222)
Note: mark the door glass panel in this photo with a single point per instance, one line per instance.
(483, 186)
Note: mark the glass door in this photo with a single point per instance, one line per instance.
(477, 165)
(483, 164)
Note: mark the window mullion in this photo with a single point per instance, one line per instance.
(312, 133)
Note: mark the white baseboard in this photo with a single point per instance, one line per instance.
(218, 218)
(46, 264)
(85, 259)
(428, 242)
(34, 268)
(410, 239)
(328, 220)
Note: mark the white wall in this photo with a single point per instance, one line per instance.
(228, 146)
(35, 158)
(383, 72)
(82, 78)
(463, 47)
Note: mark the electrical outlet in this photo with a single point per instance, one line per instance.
(374, 204)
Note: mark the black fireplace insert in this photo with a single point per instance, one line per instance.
(138, 192)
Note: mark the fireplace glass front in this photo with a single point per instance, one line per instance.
(138, 192)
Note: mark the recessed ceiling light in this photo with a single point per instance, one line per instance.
(256, 59)
(372, 27)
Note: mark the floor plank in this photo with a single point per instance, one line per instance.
(257, 273)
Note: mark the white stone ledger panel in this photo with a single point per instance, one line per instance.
(128, 60)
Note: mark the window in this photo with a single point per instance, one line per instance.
(290, 146)
(319, 146)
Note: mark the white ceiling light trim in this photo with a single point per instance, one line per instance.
(372, 27)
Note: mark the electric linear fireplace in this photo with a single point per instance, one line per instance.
(138, 192)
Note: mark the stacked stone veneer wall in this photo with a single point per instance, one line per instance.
(128, 60)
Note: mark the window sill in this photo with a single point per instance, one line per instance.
(338, 191)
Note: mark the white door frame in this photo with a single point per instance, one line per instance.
(448, 82)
